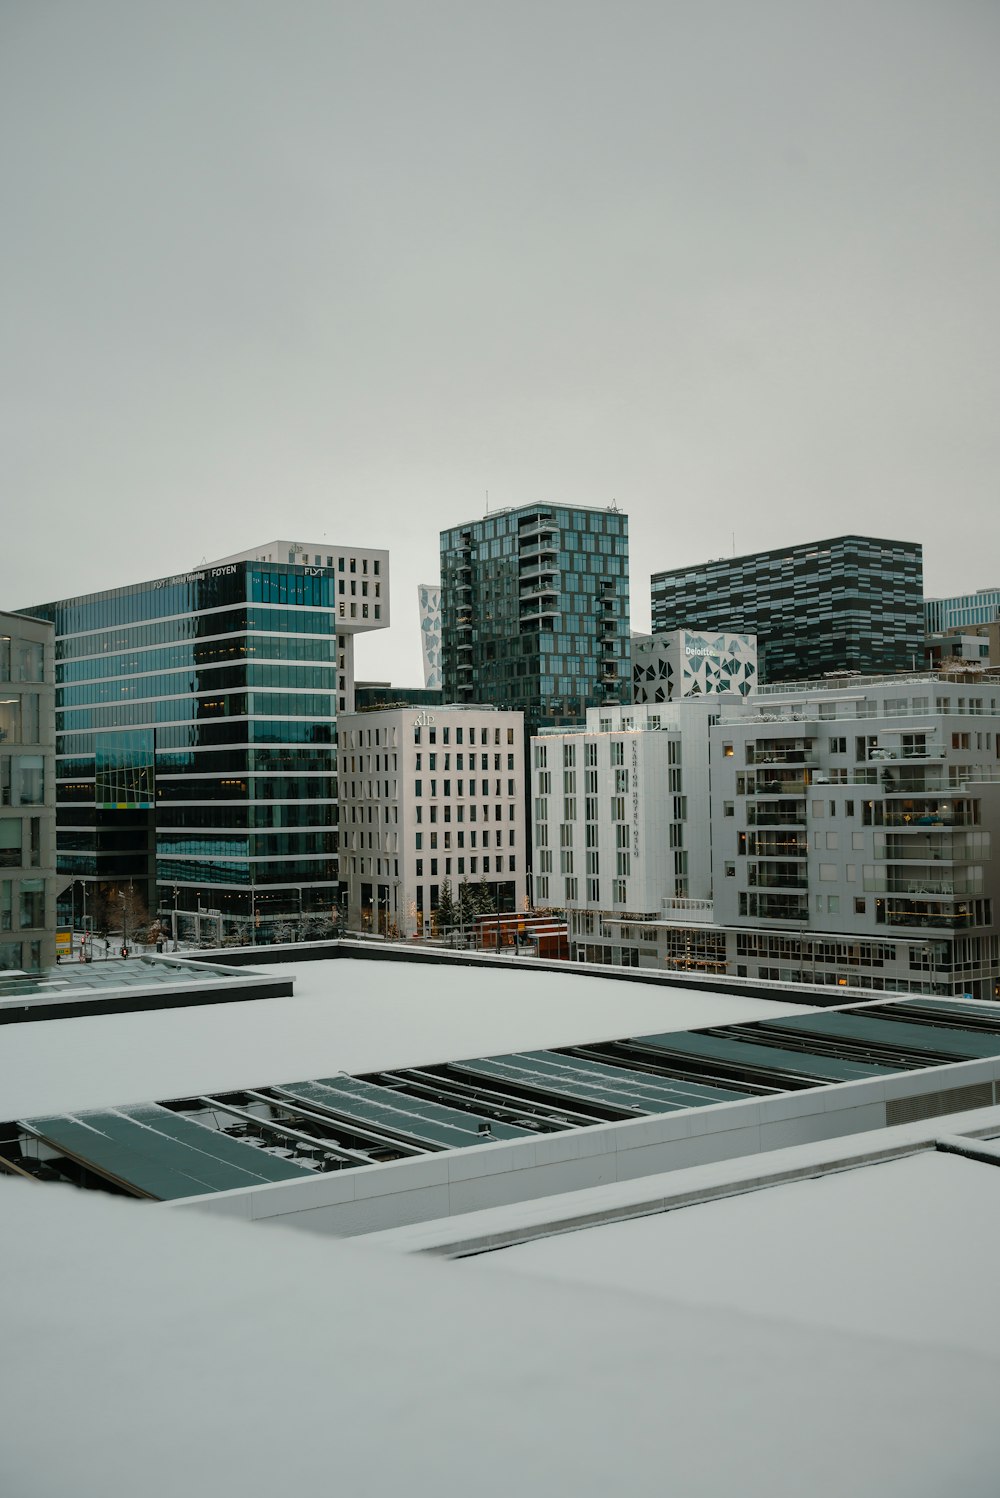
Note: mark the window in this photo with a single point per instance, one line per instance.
(859, 905)
(32, 903)
(730, 869)
(29, 779)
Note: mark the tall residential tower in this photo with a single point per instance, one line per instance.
(535, 611)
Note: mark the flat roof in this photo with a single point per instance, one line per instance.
(346, 1016)
(901, 1248)
(173, 1352)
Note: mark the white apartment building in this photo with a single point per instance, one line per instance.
(612, 806)
(428, 797)
(848, 827)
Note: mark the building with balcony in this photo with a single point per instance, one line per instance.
(196, 729)
(535, 611)
(27, 795)
(975, 645)
(854, 603)
(429, 797)
(849, 831)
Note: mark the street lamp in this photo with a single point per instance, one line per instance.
(176, 893)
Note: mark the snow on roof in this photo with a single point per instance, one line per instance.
(902, 1249)
(348, 1015)
(165, 1353)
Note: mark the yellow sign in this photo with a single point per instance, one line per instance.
(64, 943)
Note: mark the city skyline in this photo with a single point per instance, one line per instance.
(733, 270)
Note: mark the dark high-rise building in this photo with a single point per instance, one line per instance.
(535, 611)
(196, 728)
(854, 603)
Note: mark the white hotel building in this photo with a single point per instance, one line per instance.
(818, 832)
(428, 797)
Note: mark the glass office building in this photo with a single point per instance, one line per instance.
(854, 603)
(535, 611)
(196, 728)
(962, 610)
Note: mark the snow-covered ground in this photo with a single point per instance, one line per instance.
(348, 1015)
(156, 1353)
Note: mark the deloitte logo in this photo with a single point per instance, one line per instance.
(701, 650)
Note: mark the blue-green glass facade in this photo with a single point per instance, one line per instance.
(535, 611)
(196, 735)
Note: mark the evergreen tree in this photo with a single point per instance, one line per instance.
(485, 903)
(466, 903)
(447, 913)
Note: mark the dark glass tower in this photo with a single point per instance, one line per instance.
(851, 604)
(535, 611)
(196, 728)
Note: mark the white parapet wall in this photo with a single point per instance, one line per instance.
(372, 1198)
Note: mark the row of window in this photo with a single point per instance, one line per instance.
(176, 709)
(347, 563)
(196, 627)
(484, 735)
(292, 677)
(418, 839)
(199, 655)
(446, 813)
(484, 788)
(490, 865)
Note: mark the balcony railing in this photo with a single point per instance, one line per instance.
(940, 847)
(764, 846)
(919, 914)
(782, 908)
(781, 783)
(758, 754)
(780, 881)
(764, 816)
(969, 883)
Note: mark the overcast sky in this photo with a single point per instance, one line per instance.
(332, 270)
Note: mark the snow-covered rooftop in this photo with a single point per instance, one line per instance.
(163, 1353)
(345, 1015)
